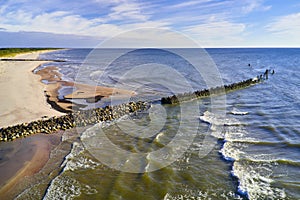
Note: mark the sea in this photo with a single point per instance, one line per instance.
(241, 145)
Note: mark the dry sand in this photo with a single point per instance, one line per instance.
(21, 93)
(23, 100)
(22, 96)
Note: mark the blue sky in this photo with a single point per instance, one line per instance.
(212, 23)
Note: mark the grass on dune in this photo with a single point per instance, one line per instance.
(10, 52)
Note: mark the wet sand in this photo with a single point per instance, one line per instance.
(90, 93)
(22, 100)
(23, 157)
(21, 93)
(25, 98)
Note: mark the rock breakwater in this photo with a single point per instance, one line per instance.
(175, 99)
(88, 117)
(71, 120)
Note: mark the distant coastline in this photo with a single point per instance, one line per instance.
(11, 52)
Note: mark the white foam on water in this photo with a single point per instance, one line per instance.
(80, 163)
(219, 120)
(223, 127)
(232, 151)
(253, 171)
(255, 180)
(75, 151)
(158, 137)
(199, 194)
(92, 131)
(66, 136)
(88, 133)
(76, 160)
(65, 187)
(237, 112)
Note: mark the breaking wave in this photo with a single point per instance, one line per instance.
(254, 175)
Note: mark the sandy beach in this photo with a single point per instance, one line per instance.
(21, 94)
(22, 100)
(27, 157)
(90, 93)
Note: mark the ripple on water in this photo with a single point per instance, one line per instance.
(251, 166)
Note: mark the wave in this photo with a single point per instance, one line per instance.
(65, 187)
(255, 180)
(200, 194)
(237, 112)
(219, 119)
(254, 173)
(235, 151)
(74, 160)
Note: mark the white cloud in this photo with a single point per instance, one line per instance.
(128, 14)
(127, 10)
(287, 27)
(254, 5)
(56, 22)
(62, 22)
(217, 33)
(189, 3)
(211, 22)
(147, 24)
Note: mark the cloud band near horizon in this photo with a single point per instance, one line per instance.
(212, 23)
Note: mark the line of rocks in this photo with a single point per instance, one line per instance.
(71, 120)
(92, 116)
(175, 99)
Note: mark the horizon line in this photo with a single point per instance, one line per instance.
(205, 47)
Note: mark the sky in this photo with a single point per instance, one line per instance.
(210, 23)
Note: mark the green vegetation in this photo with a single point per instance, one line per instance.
(9, 52)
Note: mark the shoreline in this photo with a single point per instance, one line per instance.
(21, 93)
(22, 101)
(89, 93)
(26, 99)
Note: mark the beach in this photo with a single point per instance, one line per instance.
(22, 97)
(29, 156)
(91, 93)
(253, 150)
(23, 100)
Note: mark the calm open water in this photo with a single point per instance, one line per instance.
(254, 149)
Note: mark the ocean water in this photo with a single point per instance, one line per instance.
(245, 145)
